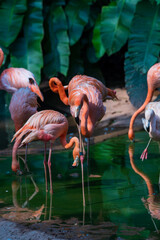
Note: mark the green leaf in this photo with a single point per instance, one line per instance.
(115, 24)
(135, 82)
(27, 51)
(78, 15)
(97, 41)
(57, 58)
(143, 46)
(11, 17)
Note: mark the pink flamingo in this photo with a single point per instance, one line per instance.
(85, 97)
(12, 79)
(22, 106)
(46, 126)
(153, 82)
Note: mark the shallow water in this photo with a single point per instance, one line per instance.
(117, 188)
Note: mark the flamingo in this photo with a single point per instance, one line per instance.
(85, 97)
(151, 124)
(22, 106)
(47, 126)
(153, 82)
(12, 79)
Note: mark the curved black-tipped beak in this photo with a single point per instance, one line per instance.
(77, 120)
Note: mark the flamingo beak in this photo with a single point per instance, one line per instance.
(35, 89)
(146, 124)
(77, 112)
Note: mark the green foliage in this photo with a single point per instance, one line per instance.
(137, 96)
(57, 57)
(28, 50)
(144, 40)
(70, 37)
(116, 20)
(78, 14)
(11, 16)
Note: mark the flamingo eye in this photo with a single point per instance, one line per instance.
(31, 81)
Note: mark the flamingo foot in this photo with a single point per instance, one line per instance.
(144, 155)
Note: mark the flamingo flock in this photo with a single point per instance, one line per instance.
(85, 98)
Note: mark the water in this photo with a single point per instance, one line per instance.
(117, 188)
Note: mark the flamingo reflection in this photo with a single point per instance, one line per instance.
(152, 203)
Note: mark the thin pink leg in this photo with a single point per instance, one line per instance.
(82, 172)
(49, 167)
(45, 164)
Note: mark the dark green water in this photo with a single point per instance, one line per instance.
(117, 202)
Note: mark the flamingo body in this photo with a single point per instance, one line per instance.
(46, 126)
(22, 106)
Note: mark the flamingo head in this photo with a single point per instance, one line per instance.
(131, 134)
(149, 114)
(34, 88)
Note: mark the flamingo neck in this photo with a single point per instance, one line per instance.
(140, 173)
(148, 99)
(15, 165)
(85, 125)
(73, 141)
(1, 56)
(57, 87)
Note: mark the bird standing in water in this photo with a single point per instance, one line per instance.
(22, 106)
(46, 126)
(151, 124)
(12, 79)
(153, 82)
(85, 97)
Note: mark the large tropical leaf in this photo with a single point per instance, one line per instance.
(11, 17)
(97, 40)
(116, 20)
(27, 51)
(136, 83)
(144, 40)
(78, 14)
(57, 58)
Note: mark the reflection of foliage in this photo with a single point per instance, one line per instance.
(48, 35)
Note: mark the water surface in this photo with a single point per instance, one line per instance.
(121, 192)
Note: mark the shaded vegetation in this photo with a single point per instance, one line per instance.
(116, 41)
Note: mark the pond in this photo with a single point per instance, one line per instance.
(121, 191)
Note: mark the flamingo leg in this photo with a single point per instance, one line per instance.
(25, 162)
(82, 154)
(144, 154)
(82, 172)
(49, 167)
(45, 164)
(88, 143)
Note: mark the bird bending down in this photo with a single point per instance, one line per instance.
(151, 124)
(22, 106)
(12, 79)
(46, 126)
(85, 97)
(153, 82)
